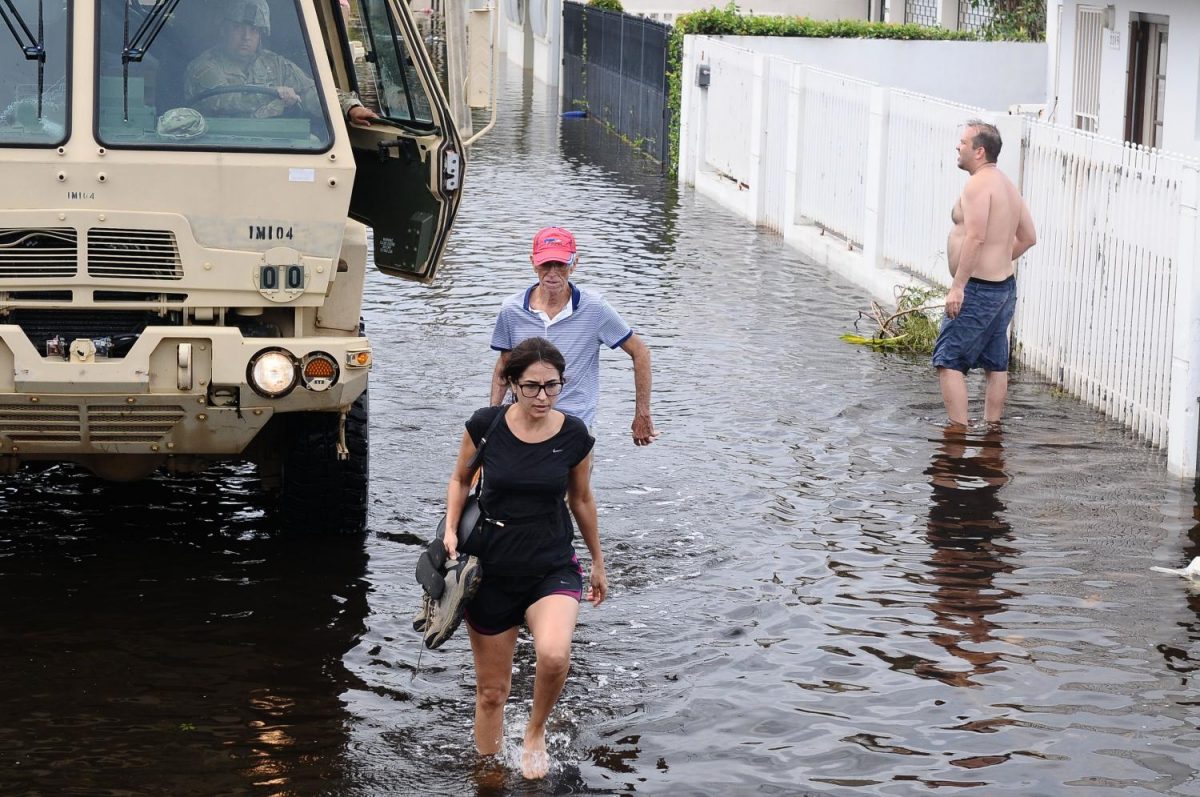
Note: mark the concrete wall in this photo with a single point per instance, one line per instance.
(1181, 122)
(993, 75)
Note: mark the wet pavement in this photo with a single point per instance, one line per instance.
(813, 589)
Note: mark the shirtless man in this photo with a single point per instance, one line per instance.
(992, 228)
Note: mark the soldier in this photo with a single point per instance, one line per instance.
(240, 61)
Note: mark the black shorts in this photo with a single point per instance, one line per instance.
(501, 601)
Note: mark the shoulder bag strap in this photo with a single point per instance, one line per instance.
(478, 458)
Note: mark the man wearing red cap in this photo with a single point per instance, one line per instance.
(578, 322)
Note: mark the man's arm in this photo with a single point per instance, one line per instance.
(499, 386)
(976, 204)
(353, 109)
(643, 425)
(1026, 236)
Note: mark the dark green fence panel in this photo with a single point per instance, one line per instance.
(615, 68)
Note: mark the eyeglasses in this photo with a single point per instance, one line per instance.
(531, 389)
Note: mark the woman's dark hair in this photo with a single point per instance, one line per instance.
(530, 351)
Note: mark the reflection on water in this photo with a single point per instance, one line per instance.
(968, 535)
(159, 639)
(814, 591)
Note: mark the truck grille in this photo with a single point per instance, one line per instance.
(42, 424)
(38, 253)
(133, 254)
(116, 423)
(119, 423)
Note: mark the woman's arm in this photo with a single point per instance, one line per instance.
(457, 491)
(583, 507)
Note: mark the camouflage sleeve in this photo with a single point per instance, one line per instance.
(204, 74)
(294, 77)
(201, 76)
(348, 100)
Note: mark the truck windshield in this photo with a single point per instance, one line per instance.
(33, 69)
(195, 74)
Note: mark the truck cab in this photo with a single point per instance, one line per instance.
(184, 232)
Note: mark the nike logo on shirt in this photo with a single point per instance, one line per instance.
(556, 451)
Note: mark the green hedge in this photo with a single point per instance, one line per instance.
(607, 5)
(728, 22)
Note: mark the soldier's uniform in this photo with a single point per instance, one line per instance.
(214, 68)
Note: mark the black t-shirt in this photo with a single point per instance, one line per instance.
(522, 480)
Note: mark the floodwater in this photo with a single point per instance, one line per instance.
(813, 590)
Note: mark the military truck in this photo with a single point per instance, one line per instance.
(184, 230)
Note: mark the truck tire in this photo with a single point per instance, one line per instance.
(318, 492)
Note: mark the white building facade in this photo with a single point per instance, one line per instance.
(1128, 70)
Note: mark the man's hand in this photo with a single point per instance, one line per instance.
(288, 95)
(954, 300)
(643, 430)
(361, 115)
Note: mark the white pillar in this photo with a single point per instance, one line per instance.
(876, 176)
(793, 165)
(1183, 410)
(757, 122)
(691, 120)
(948, 14)
(1012, 135)
(893, 11)
(1053, 53)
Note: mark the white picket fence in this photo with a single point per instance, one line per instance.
(1105, 308)
(833, 147)
(1096, 306)
(923, 181)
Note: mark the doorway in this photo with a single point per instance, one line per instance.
(1146, 81)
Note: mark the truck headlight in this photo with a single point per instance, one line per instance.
(272, 373)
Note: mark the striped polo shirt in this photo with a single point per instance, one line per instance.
(586, 322)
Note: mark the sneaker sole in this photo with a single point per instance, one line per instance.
(471, 579)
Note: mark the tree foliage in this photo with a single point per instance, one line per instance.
(1015, 20)
(607, 5)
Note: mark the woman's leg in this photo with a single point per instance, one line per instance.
(493, 677)
(552, 622)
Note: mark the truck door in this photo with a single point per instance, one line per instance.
(410, 161)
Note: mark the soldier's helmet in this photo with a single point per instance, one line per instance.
(249, 12)
(181, 123)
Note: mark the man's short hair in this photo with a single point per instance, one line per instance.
(986, 136)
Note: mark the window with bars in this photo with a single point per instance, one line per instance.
(922, 12)
(1089, 46)
(973, 15)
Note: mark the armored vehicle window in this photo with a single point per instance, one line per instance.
(386, 76)
(33, 73)
(195, 74)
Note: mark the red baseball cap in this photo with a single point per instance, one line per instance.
(553, 245)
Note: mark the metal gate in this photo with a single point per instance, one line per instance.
(615, 68)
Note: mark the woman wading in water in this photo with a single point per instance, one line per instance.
(535, 456)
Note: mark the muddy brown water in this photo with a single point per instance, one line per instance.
(813, 590)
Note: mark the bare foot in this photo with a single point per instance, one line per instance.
(535, 763)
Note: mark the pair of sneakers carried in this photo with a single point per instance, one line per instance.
(448, 585)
